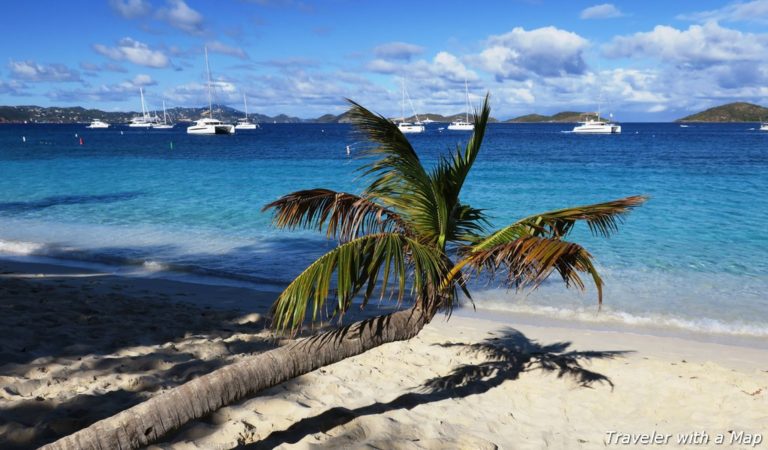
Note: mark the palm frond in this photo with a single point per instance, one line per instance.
(529, 260)
(345, 216)
(602, 218)
(448, 178)
(388, 260)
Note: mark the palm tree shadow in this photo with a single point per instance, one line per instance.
(507, 357)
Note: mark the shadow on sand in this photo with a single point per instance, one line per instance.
(507, 357)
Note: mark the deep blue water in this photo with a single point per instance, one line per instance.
(695, 256)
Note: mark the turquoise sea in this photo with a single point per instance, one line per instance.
(695, 257)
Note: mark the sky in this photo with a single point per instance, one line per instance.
(647, 60)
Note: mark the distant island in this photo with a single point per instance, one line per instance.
(732, 112)
(561, 117)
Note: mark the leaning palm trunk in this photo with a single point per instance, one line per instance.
(147, 422)
(408, 234)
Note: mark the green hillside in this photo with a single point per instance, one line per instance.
(732, 112)
(564, 116)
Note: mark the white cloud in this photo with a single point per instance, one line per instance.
(135, 52)
(220, 47)
(754, 11)
(698, 46)
(130, 8)
(179, 15)
(603, 11)
(545, 52)
(13, 87)
(143, 80)
(397, 50)
(32, 71)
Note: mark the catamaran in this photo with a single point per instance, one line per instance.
(165, 125)
(409, 127)
(245, 124)
(465, 125)
(145, 120)
(596, 125)
(209, 125)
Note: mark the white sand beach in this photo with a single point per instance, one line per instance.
(79, 345)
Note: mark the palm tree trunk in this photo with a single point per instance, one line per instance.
(148, 421)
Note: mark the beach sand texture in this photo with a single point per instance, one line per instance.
(78, 346)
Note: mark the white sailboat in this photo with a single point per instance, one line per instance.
(165, 125)
(145, 120)
(409, 127)
(763, 126)
(209, 125)
(464, 125)
(245, 124)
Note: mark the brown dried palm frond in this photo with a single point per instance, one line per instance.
(528, 261)
(345, 216)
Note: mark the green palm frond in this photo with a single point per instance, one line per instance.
(448, 177)
(387, 260)
(345, 216)
(529, 260)
(602, 218)
(396, 168)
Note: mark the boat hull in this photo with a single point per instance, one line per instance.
(410, 128)
(461, 126)
(211, 129)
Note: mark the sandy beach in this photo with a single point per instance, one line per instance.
(79, 345)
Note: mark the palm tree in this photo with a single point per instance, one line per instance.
(407, 237)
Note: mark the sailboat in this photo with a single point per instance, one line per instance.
(245, 124)
(763, 126)
(465, 125)
(409, 127)
(209, 125)
(165, 125)
(145, 120)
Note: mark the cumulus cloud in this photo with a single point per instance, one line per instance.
(32, 71)
(698, 46)
(127, 90)
(220, 47)
(134, 51)
(754, 11)
(545, 52)
(397, 50)
(130, 8)
(179, 15)
(13, 87)
(603, 11)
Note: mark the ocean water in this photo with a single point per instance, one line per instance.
(695, 257)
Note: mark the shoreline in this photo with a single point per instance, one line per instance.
(103, 342)
(540, 319)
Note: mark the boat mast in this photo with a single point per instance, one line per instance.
(208, 70)
(245, 103)
(165, 118)
(143, 108)
(466, 90)
(402, 103)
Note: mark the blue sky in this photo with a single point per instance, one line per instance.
(643, 61)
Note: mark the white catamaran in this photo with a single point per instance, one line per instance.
(409, 127)
(165, 125)
(245, 124)
(144, 120)
(465, 125)
(209, 125)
